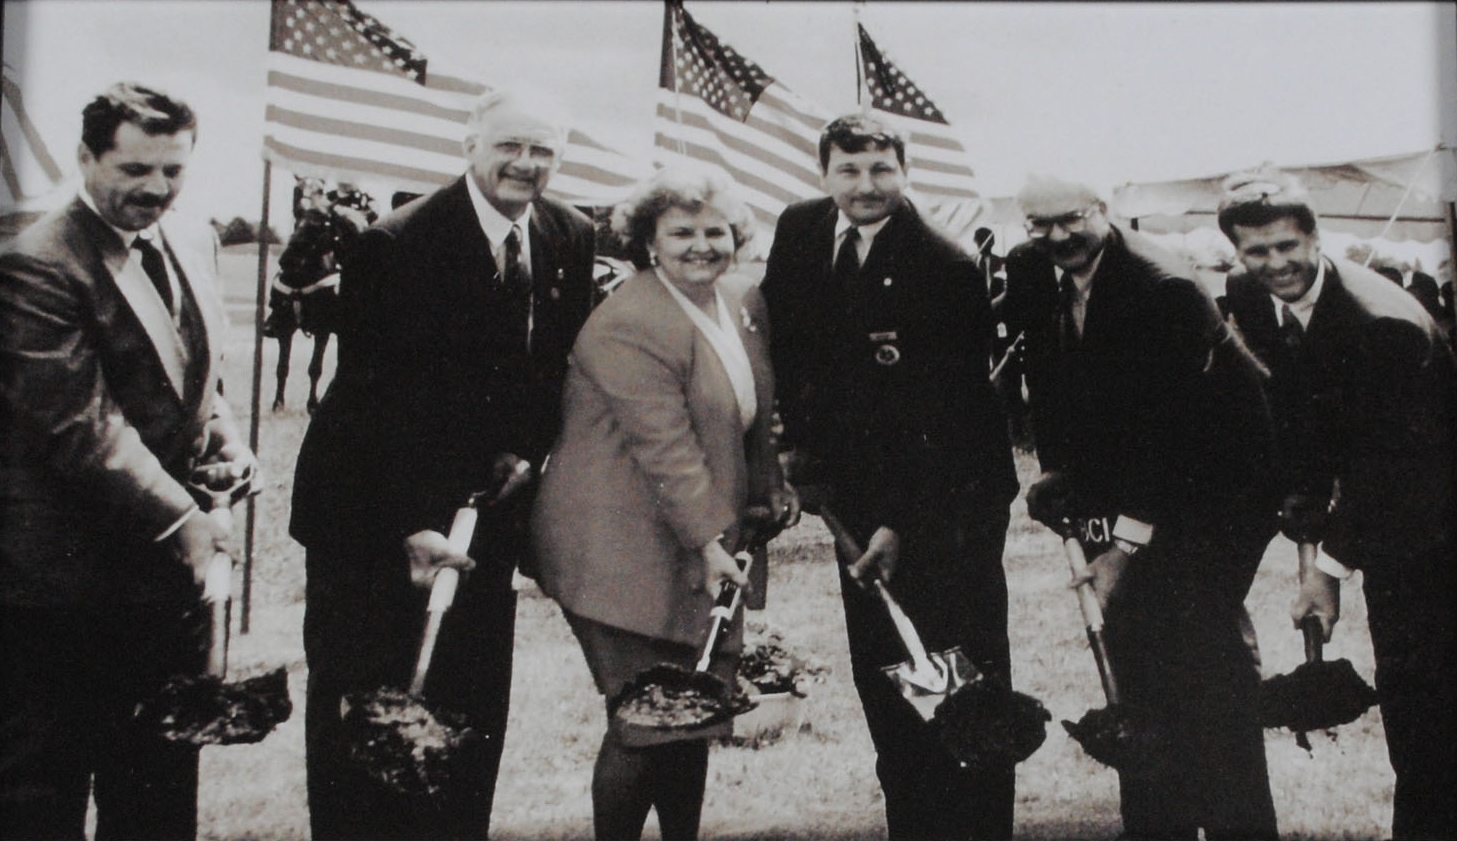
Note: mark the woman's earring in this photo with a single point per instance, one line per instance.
(652, 259)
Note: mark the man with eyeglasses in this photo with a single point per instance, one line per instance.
(1363, 385)
(1154, 439)
(461, 308)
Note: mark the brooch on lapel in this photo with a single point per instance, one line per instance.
(747, 321)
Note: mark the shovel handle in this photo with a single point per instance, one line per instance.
(907, 632)
(217, 590)
(1310, 625)
(724, 608)
(1077, 563)
(442, 592)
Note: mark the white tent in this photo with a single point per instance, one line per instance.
(1404, 197)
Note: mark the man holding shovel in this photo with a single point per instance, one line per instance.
(461, 308)
(1363, 387)
(881, 343)
(110, 338)
(1153, 436)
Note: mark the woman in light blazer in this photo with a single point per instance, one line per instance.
(665, 441)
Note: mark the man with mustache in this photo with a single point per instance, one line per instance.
(111, 336)
(461, 307)
(881, 335)
(1363, 386)
(1154, 439)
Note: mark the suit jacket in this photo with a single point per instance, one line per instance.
(1158, 411)
(653, 461)
(1365, 402)
(433, 380)
(106, 407)
(887, 382)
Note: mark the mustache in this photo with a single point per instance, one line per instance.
(153, 202)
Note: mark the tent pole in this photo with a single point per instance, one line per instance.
(253, 414)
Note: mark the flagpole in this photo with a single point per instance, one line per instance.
(671, 33)
(860, 81)
(256, 405)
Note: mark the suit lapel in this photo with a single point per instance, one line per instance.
(138, 293)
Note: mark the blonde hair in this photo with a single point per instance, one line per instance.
(635, 220)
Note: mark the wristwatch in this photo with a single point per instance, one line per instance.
(1129, 547)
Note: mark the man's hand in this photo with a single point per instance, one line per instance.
(882, 554)
(806, 473)
(229, 472)
(196, 541)
(720, 567)
(1105, 572)
(1319, 596)
(428, 551)
(762, 523)
(1303, 517)
(1050, 500)
(509, 474)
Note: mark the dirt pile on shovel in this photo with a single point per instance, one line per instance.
(1315, 696)
(986, 724)
(203, 710)
(402, 744)
(1119, 739)
(669, 697)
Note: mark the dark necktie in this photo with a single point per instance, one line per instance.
(847, 260)
(156, 269)
(1291, 333)
(514, 274)
(1071, 332)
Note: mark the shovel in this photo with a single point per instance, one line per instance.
(400, 742)
(1110, 734)
(667, 700)
(980, 721)
(1318, 694)
(203, 709)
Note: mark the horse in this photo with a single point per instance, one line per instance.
(305, 292)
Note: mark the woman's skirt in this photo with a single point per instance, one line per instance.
(615, 657)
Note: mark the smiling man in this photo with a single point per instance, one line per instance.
(882, 332)
(110, 341)
(1154, 440)
(461, 308)
(1363, 386)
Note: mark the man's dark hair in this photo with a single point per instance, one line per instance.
(150, 110)
(1255, 199)
(856, 133)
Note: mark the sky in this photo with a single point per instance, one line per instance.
(1107, 92)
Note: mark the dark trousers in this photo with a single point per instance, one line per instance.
(1183, 651)
(362, 633)
(951, 583)
(72, 679)
(1409, 606)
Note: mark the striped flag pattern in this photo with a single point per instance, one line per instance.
(27, 170)
(939, 174)
(348, 98)
(717, 107)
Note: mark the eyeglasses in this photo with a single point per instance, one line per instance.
(1039, 227)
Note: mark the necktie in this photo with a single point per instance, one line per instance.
(847, 260)
(1074, 309)
(514, 273)
(1290, 330)
(156, 270)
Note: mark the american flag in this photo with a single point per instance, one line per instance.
(348, 98)
(27, 170)
(938, 170)
(717, 107)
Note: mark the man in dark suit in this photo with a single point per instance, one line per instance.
(110, 337)
(1153, 435)
(1363, 385)
(881, 332)
(462, 307)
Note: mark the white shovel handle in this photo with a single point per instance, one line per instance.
(909, 638)
(1077, 563)
(442, 594)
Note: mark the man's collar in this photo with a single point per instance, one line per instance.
(1303, 306)
(152, 231)
(867, 232)
(495, 226)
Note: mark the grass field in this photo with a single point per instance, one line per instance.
(818, 783)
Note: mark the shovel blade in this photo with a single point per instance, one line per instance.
(925, 689)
